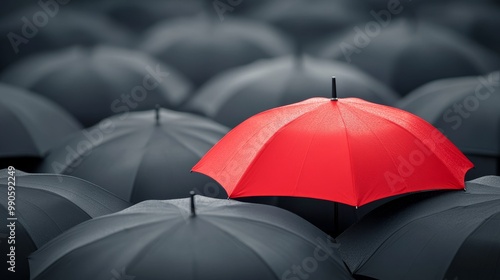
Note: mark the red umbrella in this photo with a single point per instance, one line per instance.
(344, 150)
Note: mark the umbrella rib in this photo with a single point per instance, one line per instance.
(45, 187)
(275, 134)
(72, 249)
(132, 192)
(185, 145)
(150, 244)
(410, 132)
(27, 226)
(83, 156)
(244, 245)
(350, 156)
(269, 225)
(417, 219)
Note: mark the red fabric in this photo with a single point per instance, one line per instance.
(350, 151)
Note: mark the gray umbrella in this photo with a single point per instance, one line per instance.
(210, 239)
(34, 30)
(139, 15)
(477, 21)
(140, 155)
(237, 94)
(407, 53)
(467, 111)
(30, 125)
(98, 82)
(432, 235)
(203, 46)
(308, 21)
(45, 206)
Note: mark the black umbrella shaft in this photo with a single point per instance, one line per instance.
(334, 88)
(193, 210)
(336, 219)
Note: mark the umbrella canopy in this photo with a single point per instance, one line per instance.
(308, 21)
(203, 46)
(142, 155)
(31, 124)
(45, 206)
(98, 82)
(407, 54)
(331, 217)
(213, 240)
(448, 235)
(344, 150)
(36, 29)
(237, 94)
(477, 21)
(139, 15)
(466, 111)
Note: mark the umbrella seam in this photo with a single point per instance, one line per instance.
(266, 144)
(415, 220)
(355, 193)
(447, 168)
(46, 188)
(67, 252)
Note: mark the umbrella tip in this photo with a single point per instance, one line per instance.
(334, 89)
(157, 113)
(193, 210)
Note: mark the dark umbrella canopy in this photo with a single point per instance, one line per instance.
(467, 111)
(139, 15)
(98, 82)
(45, 206)
(164, 240)
(332, 218)
(141, 156)
(477, 21)
(31, 124)
(408, 53)
(307, 21)
(445, 235)
(237, 94)
(34, 30)
(204, 46)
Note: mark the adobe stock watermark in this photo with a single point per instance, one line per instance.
(94, 136)
(39, 19)
(471, 103)
(223, 6)
(454, 116)
(363, 37)
(325, 248)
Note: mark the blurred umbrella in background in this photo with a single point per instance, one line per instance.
(237, 94)
(141, 155)
(408, 53)
(477, 21)
(467, 111)
(211, 239)
(203, 46)
(432, 235)
(45, 206)
(343, 150)
(139, 15)
(307, 21)
(33, 30)
(31, 125)
(98, 82)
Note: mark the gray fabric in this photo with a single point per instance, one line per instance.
(161, 240)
